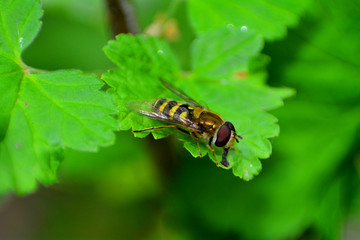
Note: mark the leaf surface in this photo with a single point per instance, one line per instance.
(269, 18)
(241, 101)
(236, 46)
(310, 179)
(41, 113)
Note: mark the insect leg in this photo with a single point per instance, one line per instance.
(225, 162)
(213, 151)
(154, 128)
(197, 142)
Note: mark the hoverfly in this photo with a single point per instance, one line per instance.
(191, 118)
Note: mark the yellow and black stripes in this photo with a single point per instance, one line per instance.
(183, 112)
(169, 105)
(174, 110)
(158, 103)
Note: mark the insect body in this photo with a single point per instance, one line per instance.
(191, 118)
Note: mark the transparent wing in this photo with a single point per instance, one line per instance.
(180, 93)
(146, 108)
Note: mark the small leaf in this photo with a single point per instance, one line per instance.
(230, 53)
(147, 55)
(243, 102)
(142, 60)
(268, 17)
(41, 113)
(19, 25)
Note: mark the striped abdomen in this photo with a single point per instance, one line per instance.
(177, 111)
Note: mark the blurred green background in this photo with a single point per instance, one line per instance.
(145, 189)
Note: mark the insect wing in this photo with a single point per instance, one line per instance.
(146, 108)
(180, 93)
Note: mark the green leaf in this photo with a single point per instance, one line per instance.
(154, 58)
(328, 65)
(243, 102)
(274, 204)
(141, 60)
(305, 184)
(236, 46)
(270, 18)
(41, 113)
(19, 25)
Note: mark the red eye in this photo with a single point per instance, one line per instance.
(230, 125)
(223, 136)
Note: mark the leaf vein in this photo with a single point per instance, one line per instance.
(8, 73)
(67, 85)
(46, 95)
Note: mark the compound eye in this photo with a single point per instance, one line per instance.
(223, 136)
(230, 125)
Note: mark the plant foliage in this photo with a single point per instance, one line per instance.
(142, 60)
(43, 112)
(267, 17)
(218, 52)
